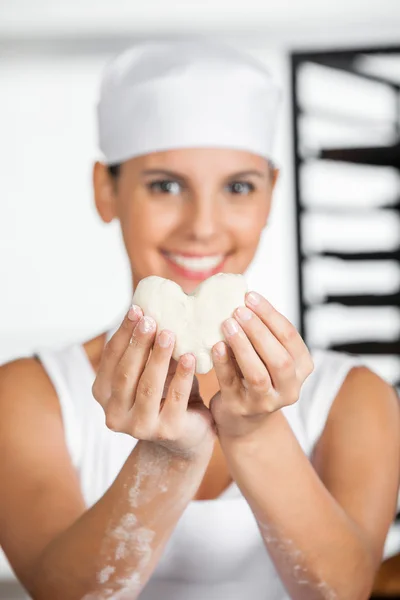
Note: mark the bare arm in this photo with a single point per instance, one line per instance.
(326, 534)
(57, 547)
(113, 548)
(324, 522)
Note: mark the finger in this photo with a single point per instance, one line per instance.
(146, 407)
(195, 391)
(225, 368)
(284, 331)
(129, 369)
(171, 372)
(279, 363)
(112, 353)
(176, 401)
(252, 367)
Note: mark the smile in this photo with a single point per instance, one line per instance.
(196, 266)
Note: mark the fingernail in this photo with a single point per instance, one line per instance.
(146, 324)
(244, 313)
(231, 326)
(220, 349)
(165, 339)
(253, 298)
(134, 313)
(188, 361)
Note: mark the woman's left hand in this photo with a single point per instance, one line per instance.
(261, 370)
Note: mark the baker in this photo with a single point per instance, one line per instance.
(123, 475)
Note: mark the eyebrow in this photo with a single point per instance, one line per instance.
(171, 174)
(176, 175)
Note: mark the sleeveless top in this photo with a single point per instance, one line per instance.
(216, 550)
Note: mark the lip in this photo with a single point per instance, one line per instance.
(192, 254)
(194, 275)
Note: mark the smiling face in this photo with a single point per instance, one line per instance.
(188, 214)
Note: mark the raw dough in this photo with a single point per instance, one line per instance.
(196, 318)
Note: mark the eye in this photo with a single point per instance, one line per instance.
(165, 186)
(241, 188)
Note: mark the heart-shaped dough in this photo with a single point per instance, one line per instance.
(195, 319)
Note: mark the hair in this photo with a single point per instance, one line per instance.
(114, 170)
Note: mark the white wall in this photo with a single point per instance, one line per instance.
(59, 273)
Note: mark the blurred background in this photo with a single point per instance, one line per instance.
(329, 259)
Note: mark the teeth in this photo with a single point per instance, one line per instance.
(203, 263)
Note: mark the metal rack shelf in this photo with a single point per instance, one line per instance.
(378, 156)
(306, 101)
(365, 300)
(368, 348)
(362, 256)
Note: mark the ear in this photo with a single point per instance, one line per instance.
(274, 178)
(274, 175)
(104, 188)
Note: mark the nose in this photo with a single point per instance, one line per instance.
(204, 218)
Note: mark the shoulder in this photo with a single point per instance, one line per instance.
(320, 390)
(25, 380)
(41, 384)
(38, 481)
(366, 410)
(357, 456)
(364, 400)
(28, 401)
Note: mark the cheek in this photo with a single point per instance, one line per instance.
(145, 226)
(248, 226)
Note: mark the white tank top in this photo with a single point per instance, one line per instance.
(216, 550)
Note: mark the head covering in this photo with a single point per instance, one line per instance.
(167, 94)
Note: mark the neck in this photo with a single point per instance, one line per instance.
(209, 386)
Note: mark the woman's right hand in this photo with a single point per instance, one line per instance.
(147, 394)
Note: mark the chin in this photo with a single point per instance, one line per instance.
(188, 278)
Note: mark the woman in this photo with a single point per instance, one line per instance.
(270, 477)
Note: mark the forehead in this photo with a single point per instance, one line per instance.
(192, 161)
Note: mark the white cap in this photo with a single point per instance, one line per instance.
(168, 94)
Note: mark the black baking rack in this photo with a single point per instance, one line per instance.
(377, 152)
